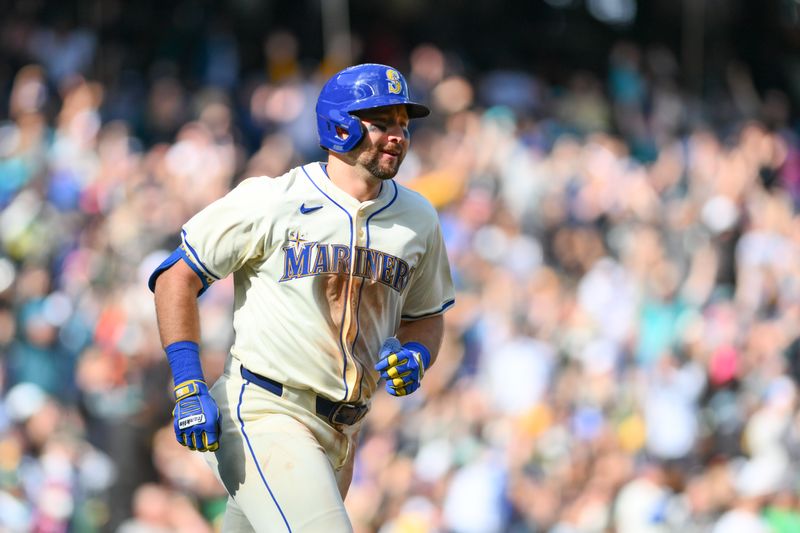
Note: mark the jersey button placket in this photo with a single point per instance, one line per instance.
(360, 229)
(357, 241)
(360, 233)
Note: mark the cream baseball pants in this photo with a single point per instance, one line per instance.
(280, 463)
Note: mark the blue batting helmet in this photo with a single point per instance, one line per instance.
(359, 87)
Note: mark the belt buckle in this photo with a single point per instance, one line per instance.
(347, 414)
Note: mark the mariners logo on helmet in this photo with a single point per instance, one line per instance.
(395, 81)
(353, 89)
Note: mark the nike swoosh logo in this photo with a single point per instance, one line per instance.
(306, 210)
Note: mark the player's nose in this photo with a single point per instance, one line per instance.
(397, 133)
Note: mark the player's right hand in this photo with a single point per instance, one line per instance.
(196, 416)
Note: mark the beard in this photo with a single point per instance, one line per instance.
(382, 170)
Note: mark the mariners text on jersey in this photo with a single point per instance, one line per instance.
(303, 259)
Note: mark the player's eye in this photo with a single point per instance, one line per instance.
(383, 127)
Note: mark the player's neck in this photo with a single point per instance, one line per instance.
(360, 185)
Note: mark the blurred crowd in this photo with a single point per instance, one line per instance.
(624, 354)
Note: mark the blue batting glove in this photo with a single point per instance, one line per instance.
(402, 366)
(196, 416)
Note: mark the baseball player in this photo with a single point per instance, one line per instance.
(341, 279)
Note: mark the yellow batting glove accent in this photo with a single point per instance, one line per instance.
(418, 357)
(187, 388)
(211, 448)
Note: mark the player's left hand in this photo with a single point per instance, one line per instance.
(402, 366)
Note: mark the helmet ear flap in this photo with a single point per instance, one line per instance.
(329, 127)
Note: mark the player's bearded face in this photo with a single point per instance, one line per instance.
(386, 142)
(382, 161)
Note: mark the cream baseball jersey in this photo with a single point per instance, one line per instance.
(321, 279)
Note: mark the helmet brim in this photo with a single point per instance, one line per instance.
(414, 109)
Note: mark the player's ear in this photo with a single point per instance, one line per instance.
(342, 133)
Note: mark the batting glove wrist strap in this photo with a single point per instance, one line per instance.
(184, 360)
(402, 366)
(188, 388)
(422, 350)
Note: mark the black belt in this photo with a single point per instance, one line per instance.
(334, 412)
